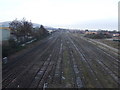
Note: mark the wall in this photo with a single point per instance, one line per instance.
(5, 34)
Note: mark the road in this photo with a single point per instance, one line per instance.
(63, 60)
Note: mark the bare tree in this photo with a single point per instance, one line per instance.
(26, 28)
(15, 27)
(21, 29)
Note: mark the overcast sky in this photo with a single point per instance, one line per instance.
(80, 14)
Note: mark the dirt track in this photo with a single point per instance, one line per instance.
(60, 61)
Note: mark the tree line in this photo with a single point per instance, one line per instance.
(22, 31)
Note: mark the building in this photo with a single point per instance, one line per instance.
(5, 31)
(91, 32)
(116, 35)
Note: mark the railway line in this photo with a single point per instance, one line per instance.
(113, 63)
(63, 61)
(11, 75)
(93, 60)
(91, 71)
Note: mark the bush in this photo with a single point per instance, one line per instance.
(98, 36)
(5, 51)
(12, 43)
(9, 49)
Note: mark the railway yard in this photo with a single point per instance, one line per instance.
(63, 60)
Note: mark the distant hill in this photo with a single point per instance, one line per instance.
(36, 25)
(6, 24)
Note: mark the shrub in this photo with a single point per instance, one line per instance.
(98, 36)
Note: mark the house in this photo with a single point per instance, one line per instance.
(116, 35)
(91, 32)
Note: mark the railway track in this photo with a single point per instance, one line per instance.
(55, 75)
(113, 59)
(92, 73)
(79, 81)
(63, 61)
(13, 74)
(44, 72)
(114, 71)
(101, 63)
